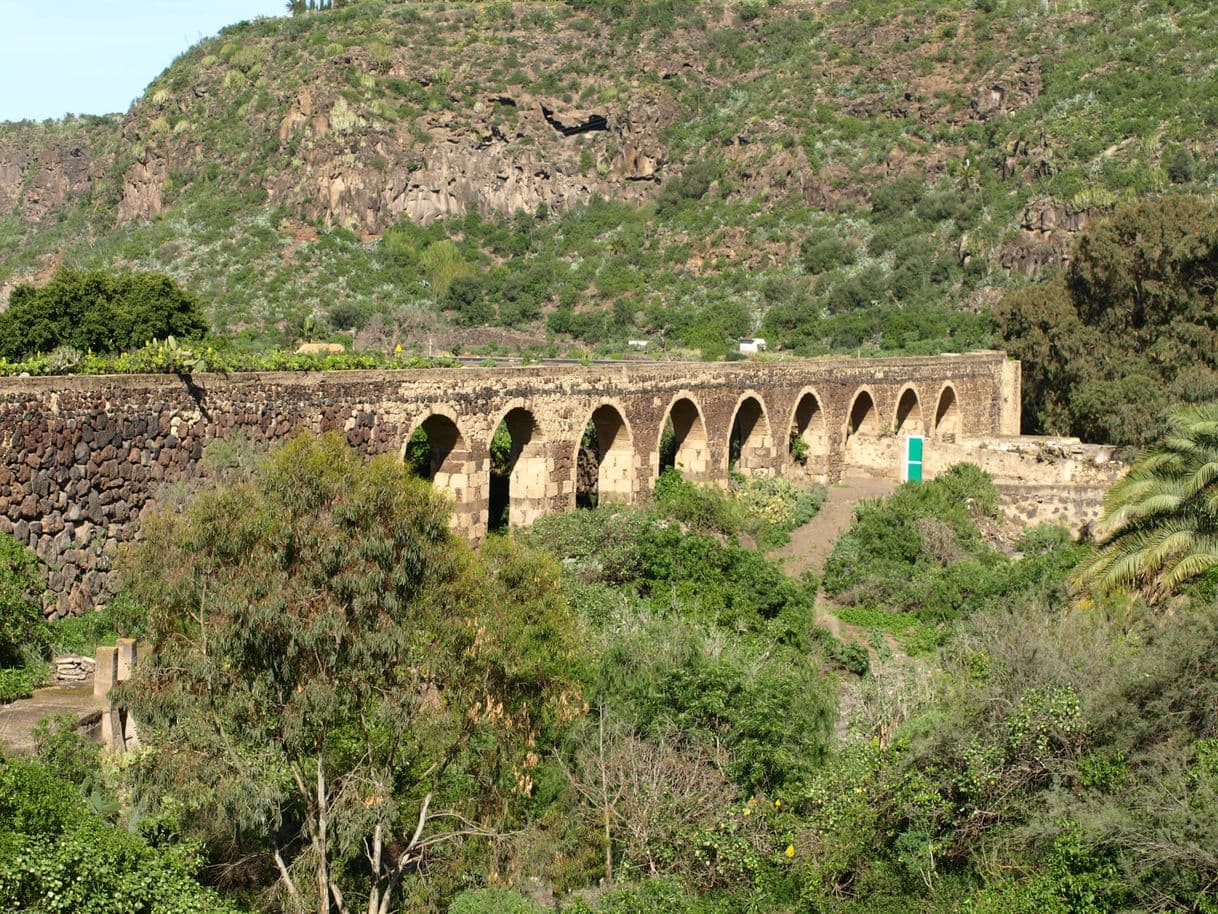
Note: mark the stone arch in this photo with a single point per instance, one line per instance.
(447, 461)
(863, 431)
(609, 461)
(518, 488)
(908, 420)
(808, 425)
(749, 442)
(947, 415)
(690, 448)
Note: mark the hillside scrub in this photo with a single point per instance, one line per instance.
(917, 560)
(615, 698)
(874, 185)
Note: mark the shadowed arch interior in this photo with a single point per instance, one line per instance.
(750, 446)
(809, 440)
(909, 414)
(863, 448)
(683, 444)
(605, 461)
(864, 419)
(518, 471)
(437, 451)
(947, 415)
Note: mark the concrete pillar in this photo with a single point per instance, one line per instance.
(126, 658)
(106, 673)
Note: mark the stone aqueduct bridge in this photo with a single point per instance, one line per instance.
(81, 457)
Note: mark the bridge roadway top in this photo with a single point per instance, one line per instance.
(773, 370)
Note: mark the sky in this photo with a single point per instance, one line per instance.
(75, 57)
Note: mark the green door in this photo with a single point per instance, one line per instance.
(913, 459)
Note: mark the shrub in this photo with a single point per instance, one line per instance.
(821, 255)
(920, 550)
(57, 855)
(691, 184)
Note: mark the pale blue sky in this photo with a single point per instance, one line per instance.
(72, 56)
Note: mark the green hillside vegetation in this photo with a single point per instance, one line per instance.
(847, 177)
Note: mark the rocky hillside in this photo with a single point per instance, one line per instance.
(687, 169)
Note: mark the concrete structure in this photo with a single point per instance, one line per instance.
(81, 457)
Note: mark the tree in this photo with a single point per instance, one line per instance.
(96, 312)
(330, 665)
(1134, 313)
(1160, 523)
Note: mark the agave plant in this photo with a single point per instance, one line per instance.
(1159, 529)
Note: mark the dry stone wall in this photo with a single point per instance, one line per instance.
(81, 458)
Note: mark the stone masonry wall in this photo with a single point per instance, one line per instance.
(82, 457)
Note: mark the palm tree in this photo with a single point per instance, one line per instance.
(1160, 523)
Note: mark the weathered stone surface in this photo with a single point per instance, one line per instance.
(89, 453)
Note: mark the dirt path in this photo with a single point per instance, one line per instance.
(811, 544)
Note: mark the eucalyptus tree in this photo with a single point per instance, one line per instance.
(333, 675)
(1159, 529)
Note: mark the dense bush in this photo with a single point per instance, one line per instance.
(1044, 773)
(58, 855)
(96, 312)
(24, 634)
(920, 550)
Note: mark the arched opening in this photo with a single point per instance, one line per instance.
(682, 443)
(808, 442)
(864, 419)
(862, 436)
(518, 472)
(437, 452)
(750, 447)
(604, 466)
(947, 416)
(909, 414)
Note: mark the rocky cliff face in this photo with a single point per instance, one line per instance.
(343, 158)
(368, 175)
(44, 169)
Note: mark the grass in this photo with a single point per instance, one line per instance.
(912, 634)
